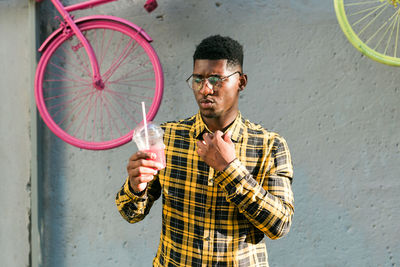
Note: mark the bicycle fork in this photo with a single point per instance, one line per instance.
(96, 75)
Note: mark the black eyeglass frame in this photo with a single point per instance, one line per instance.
(215, 85)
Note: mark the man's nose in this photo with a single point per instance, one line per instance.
(206, 88)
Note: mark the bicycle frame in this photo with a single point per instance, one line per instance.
(77, 94)
(64, 12)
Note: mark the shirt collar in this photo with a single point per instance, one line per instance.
(199, 127)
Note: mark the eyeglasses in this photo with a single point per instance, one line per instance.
(214, 82)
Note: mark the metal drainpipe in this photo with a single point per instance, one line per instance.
(35, 245)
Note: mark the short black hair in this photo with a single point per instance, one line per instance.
(220, 47)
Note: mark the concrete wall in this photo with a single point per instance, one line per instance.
(338, 110)
(15, 124)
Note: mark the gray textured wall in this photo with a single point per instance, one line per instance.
(15, 119)
(338, 110)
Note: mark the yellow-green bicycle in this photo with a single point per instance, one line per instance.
(373, 27)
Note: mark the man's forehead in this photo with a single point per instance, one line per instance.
(212, 64)
(210, 61)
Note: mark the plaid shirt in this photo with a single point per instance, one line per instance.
(213, 218)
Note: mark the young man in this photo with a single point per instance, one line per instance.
(227, 182)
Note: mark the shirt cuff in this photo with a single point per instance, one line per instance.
(232, 175)
(132, 194)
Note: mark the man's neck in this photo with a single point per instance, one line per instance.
(215, 124)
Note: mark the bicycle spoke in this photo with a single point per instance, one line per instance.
(120, 60)
(132, 75)
(133, 59)
(49, 89)
(117, 116)
(85, 64)
(65, 80)
(103, 51)
(85, 119)
(374, 9)
(380, 28)
(67, 72)
(397, 38)
(95, 41)
(360, 3)
(66, 103)
(114, 120)
(123, 81)
(94, 119)
(101, 120)
(123, 106)
(127, 95)
(73, 110)
(133, 72)
(116, 49)
(78, 65)
(63, 95)
(110, 119)
(392, 27)
(129, 104)
(366, 26)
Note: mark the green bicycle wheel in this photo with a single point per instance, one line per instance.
(373, 27)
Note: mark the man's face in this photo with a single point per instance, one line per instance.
(222, 102)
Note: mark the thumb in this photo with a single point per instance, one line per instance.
(227, 137)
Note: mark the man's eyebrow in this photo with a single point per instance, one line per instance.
(210, 75)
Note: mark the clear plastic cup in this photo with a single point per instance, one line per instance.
(155, 141)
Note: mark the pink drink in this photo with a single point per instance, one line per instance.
(152, 143)
(160, 155)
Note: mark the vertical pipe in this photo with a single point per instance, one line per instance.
(35, 247)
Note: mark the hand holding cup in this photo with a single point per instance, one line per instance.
(150, 158)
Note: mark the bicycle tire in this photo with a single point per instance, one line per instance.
(74, 109)
(373, 27)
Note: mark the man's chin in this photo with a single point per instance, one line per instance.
(208, 114)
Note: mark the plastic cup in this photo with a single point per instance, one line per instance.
(154, 139)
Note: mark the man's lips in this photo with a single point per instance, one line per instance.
(205, 103)
(206, 100)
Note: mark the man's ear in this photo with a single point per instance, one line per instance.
(242, 82)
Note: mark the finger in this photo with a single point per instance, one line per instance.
(140, 182)
(142, 171)
(218, 134)
(140, 155)
(144, 179)
(140, 187)
(207, 138)
(228, 137)
(200, 152)
(201, 144)
(144, 163)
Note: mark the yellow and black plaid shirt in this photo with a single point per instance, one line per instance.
(215, 218)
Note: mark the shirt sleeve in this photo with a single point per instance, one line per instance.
(133, 207)
(269, 204)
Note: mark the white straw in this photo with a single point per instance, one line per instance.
(146, 134)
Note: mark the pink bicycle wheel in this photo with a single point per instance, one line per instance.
(91, 118)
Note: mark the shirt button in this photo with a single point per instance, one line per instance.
(207, 238)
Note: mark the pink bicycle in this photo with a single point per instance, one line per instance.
(93, 75)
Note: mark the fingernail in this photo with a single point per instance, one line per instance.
(160, 166)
